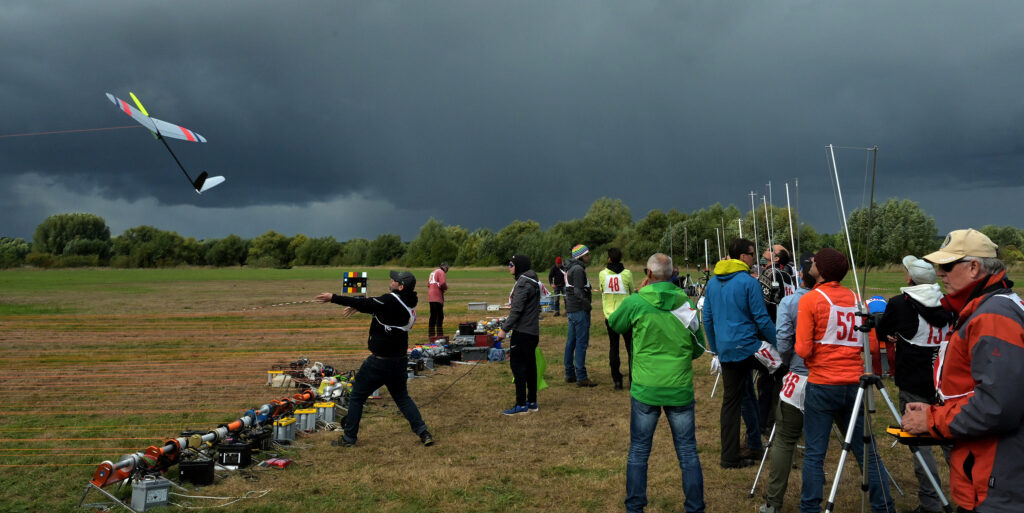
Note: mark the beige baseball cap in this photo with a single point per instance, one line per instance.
(963, 243)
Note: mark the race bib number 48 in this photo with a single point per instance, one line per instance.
(613, 285)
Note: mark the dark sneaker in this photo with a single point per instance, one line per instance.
(557, 314)
(426, 439)
(618, 385)
(570, 379)
(751, 454)
(743, 463)
(920, 509)
(532, 406)
(343, 441)
(516, 410)
(586, 383)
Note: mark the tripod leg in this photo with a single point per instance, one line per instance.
(771, 438)
(917, 452)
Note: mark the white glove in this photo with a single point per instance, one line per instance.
(716, 368)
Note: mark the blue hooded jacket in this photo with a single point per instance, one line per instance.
(735, 318)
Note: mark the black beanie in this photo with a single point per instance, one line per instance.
(832, 265)
(522, 264)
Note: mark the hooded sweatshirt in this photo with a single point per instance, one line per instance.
(389, 335)
(920, 324)
(735, 318)
(666, 338)
(577, 288)
(524, 313)
(616, 284)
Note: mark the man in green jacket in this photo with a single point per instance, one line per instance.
(666, 338)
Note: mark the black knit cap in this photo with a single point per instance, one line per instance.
(521, 262)
(832, 265)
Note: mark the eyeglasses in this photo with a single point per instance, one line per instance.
(948, 267)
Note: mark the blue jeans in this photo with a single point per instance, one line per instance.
(643, 418)
(576, 344)
(373, 374)
(823, 405)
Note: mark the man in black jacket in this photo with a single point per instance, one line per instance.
(393, 317)
(556, 278)
(916, 322)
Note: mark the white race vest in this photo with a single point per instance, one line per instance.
(613, 284)
(842, 323)
(769, 357)
(941, 359)
(433, 277)
(927, 335)
(793, 387)
(412, 316)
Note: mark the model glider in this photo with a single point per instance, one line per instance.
(161, 130)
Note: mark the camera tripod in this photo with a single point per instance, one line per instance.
(865, 400)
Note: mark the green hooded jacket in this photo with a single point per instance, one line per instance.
(666, 338)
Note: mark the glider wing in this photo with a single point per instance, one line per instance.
(154, 125)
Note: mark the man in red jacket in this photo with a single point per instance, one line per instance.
(437, 284)
(827, 340)
(978, 377)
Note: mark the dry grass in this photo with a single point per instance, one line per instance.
(140, 366)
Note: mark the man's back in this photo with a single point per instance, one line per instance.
(666, 338)
(735, 317)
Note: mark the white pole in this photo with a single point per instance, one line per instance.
(707, 265)
(740, 222)
(718, 243)
(846, 229)
(792, 241)
(753, 219)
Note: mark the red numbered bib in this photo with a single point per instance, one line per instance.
(842, 325)
(792, 392)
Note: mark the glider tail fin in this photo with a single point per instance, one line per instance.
(205, 182)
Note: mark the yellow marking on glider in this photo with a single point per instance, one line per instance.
(143, 109)
(138, 103)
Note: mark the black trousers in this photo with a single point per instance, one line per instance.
(434, 328)
(734, 376)
(768, 388)
(523, 356)
(613, 351)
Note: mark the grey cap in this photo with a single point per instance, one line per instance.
(405, 278)
(920, 271)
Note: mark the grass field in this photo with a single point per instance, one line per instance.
(101, 363)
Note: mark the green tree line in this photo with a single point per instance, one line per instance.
(879, 235)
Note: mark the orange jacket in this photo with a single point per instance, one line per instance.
(828, 363)
(981, 382)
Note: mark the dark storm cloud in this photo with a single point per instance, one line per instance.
(442, 108)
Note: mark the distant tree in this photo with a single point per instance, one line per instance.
(269, 250)
(435, 243)
(385, 249)
(321, 251)
(473, 250)
(55, 233)
(231, 250)
(293, 245)
(13, 252)
(1008, 238)
(356, 252)
(645, 238)
(897, 228)
(147, 246)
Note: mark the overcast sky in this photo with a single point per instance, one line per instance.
(354, 118)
